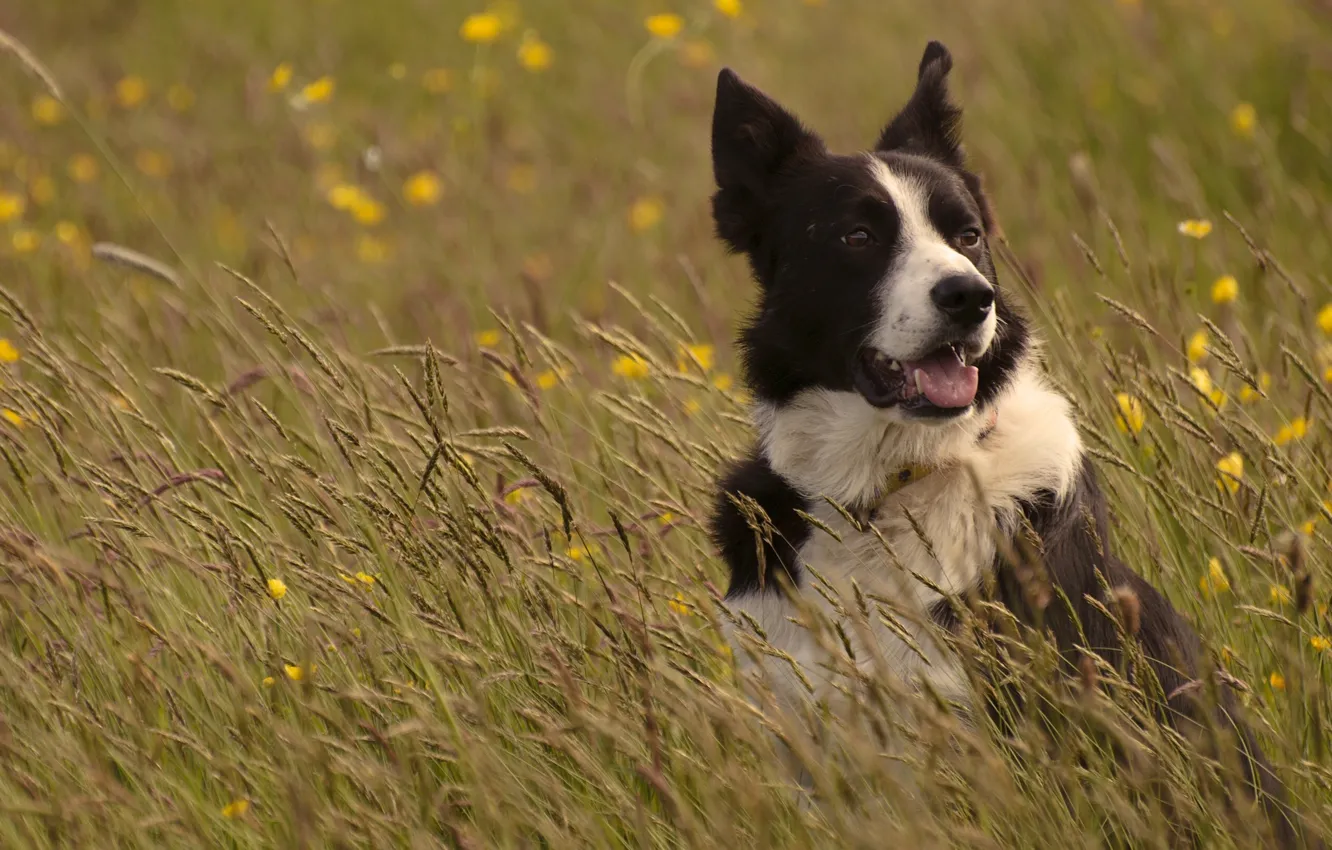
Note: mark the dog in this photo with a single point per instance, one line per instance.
(900, 405)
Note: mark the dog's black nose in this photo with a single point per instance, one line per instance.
(965, 299)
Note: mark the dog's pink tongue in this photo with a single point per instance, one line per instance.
(944, 380)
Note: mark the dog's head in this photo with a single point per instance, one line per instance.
(874, 269)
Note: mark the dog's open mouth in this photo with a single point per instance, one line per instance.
(944, 379)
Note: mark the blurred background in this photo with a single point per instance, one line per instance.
(358, 360)
(427, 161)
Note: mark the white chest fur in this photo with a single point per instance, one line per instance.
(937, 534)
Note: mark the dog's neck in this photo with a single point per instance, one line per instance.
(833, 445)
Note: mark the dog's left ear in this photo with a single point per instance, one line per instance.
(930, 124)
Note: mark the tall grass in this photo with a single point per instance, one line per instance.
(371, 519)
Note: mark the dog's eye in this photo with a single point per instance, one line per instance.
(858, 238)
(969, 238)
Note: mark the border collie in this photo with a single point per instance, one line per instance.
(900, 407)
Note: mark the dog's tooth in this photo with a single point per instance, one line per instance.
(894, 366)
(919, 388)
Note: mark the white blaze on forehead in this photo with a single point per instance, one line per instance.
(912, 201)
(909, 323)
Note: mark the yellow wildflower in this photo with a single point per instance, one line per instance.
(295, 672)
(1231, 468)
(367, 210)
(549, 379)
(25, 240)
(1195, 227)
(8, 353)
(723, 382)
(679, 606)
(180, 97)
(729, 8)
(516, 497)
(488, 338)
(11, 206)
(370, 249)
(236, 808)
(702, 353)
(1277, 681)
(1325, 319)
(1320, 643)
(343, 196)
(280, 78)
(1132, 416)
(1215, 581)
(1243, 119)
(692, 406)
(356, 631)
(319, 91)
(697, 53)
(1197, 346)
(1292, 431)
(269, 681)
(1202, 379)
(630, 366)
(481, 28)
(131, 91)
(665, 25)
(422, 189)
(579, 553)
(1279, 594)
(534, 54)
(12, 417)
(645, 213)
(1307, 527)
(437, 80)
(277, 588)
(153, 163)
(47, 111)
(82, 168)
(1248, 394)
(1225, 290)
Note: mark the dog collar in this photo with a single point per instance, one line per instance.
(912, 473)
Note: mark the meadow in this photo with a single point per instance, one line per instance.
(365, 370)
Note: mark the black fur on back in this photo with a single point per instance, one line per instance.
(1072, 539)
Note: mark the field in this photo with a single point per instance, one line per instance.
(365, 370)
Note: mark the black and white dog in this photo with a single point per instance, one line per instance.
(893, 377)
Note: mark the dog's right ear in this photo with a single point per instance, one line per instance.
(752, 139)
